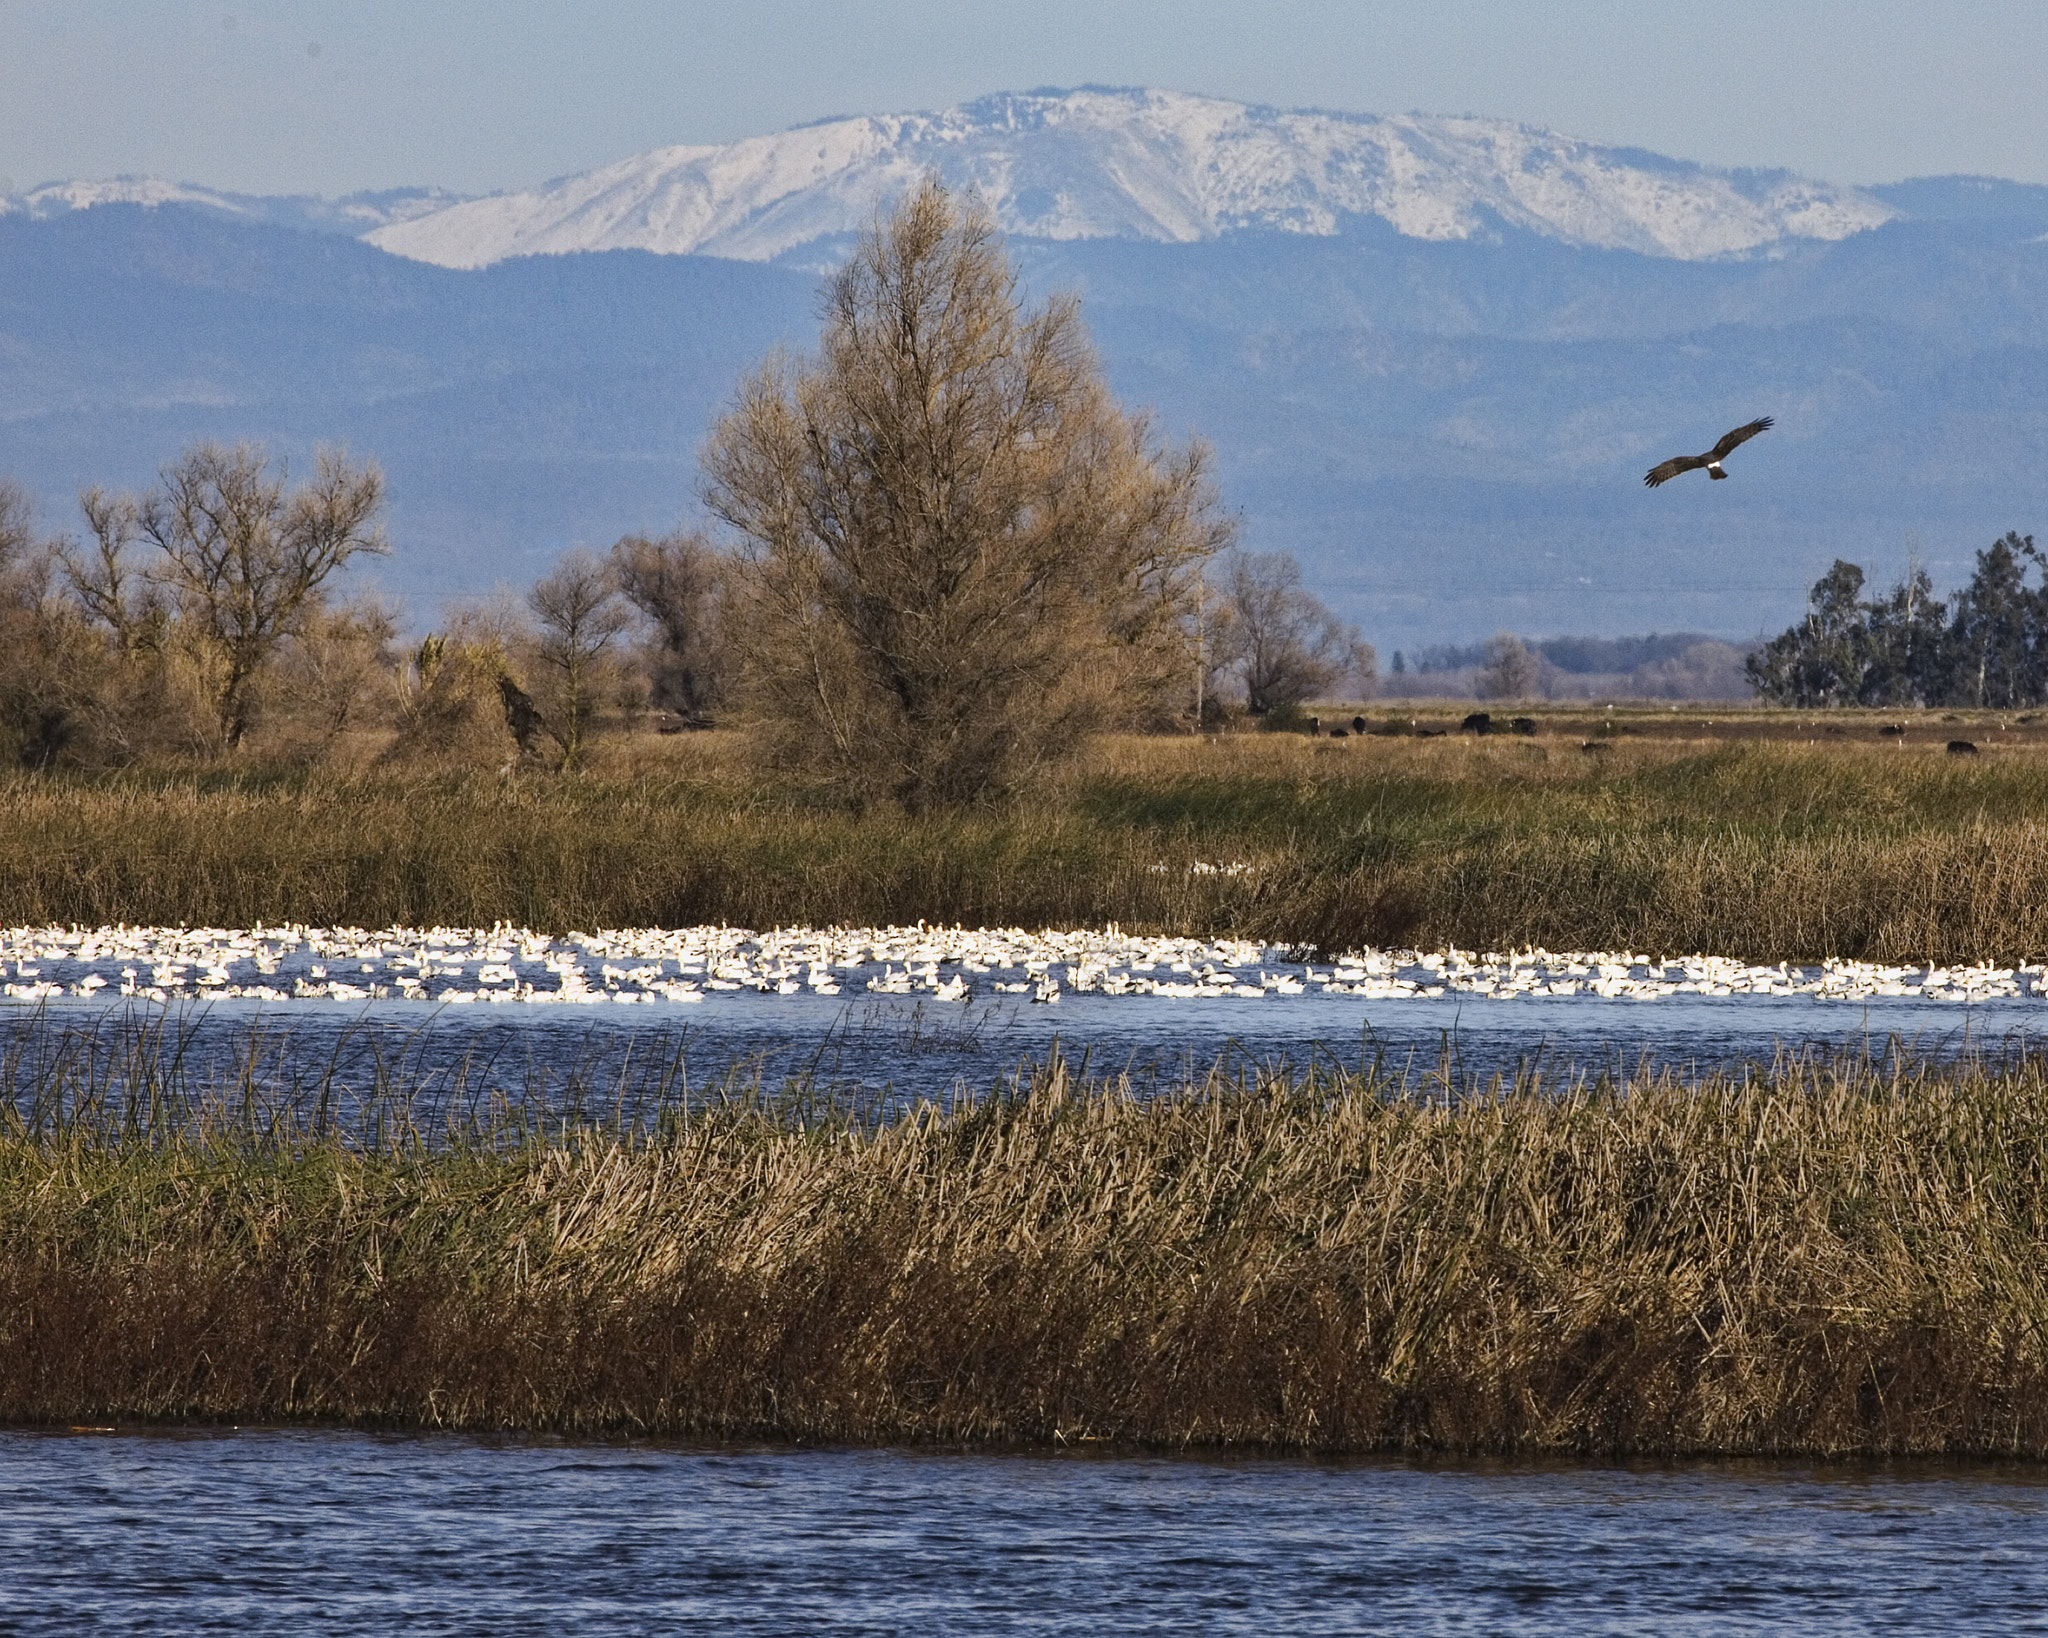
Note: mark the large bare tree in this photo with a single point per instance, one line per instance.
(959, 554)
(243, 559)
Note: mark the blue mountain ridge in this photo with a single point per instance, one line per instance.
(1450, 435)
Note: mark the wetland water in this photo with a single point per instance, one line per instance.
(340, 1532)
(346, 1533)
(918, 1012)
(909, 1047)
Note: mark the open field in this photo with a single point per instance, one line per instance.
(1806, 1259)
(1764, 851)
(1716, 722)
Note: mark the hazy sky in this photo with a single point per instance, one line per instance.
(279, 96)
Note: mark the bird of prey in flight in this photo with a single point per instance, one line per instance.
(1711, 460)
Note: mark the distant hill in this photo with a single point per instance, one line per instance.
(1450, 431)
(353, 214)
(2010, 208)
(514, 410)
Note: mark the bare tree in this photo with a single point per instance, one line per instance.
(17, 520)
(1286, 644)
(22, 559)
(959, 554)
(580, 617)
(44, 676)
(680, 584)
(243, 559)
(1509, 671)
(109, 585)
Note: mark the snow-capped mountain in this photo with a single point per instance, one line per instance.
(1146, 165)
(354, 214)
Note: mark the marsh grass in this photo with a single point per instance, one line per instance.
(1824, 1257)
(1758, 850)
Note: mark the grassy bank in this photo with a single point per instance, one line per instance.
(1762, 850)
(1813, 1259)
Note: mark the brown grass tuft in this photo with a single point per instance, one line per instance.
(1814, 1259)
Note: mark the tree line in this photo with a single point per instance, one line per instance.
(949, 556)
(1985, 646)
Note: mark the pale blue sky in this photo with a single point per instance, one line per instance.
(278, 96)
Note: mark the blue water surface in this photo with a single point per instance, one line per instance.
(904, 1047)
(259, 1531)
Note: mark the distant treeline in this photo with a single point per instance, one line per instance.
(1673, 666)
(1985, 646)
(1579, 655)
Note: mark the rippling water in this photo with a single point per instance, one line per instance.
(334, 1532)
(912, 1047)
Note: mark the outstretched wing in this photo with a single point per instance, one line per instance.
(1664, 471)
(1741, 435)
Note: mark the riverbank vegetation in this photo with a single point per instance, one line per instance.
(1804, 1258)
(1766, 851)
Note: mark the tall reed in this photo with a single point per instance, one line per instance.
(1824, 1258)
(1767, 852)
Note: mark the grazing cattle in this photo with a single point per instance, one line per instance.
(1961, 747)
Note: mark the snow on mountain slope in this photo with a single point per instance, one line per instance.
(1139, 164)
(355, 214)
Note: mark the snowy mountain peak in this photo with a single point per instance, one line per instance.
(1152, 165)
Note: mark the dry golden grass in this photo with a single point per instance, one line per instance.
(1759, 850)
(1824, 1260)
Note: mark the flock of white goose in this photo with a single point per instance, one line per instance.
(451, 965)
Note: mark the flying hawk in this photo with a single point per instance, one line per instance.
(1711, 460)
